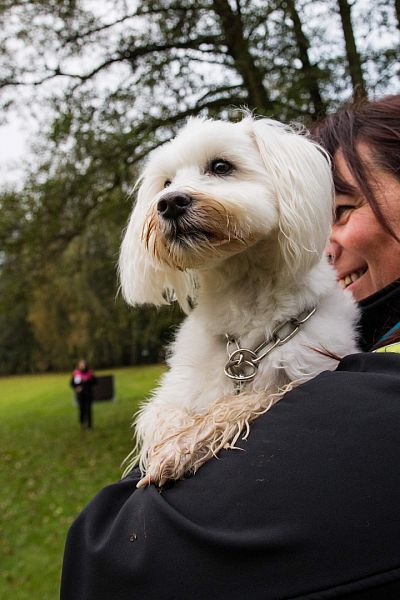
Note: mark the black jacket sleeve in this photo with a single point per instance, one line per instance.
(308, 510)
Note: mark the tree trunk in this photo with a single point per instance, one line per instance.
(310, 72)
(397, 8)
(353, 58)
(238, 48)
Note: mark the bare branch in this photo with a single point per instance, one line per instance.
(57, 72)
(138, 13)
(89, 32)
(189, 44)
(220, 90)
(130, 55)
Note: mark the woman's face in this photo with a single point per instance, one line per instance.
(366, 256)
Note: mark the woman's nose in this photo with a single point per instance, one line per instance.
(332, 251)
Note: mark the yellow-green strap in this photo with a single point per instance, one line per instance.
(389, 348)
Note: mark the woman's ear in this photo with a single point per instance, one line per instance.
(301, 176)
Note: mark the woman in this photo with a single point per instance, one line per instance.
(82, 381)
(364, 246)
(309, 509)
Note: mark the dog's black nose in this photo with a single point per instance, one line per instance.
(174, 205)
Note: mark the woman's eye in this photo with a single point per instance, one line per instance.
(167, 183)
(221, 167)
(342, 211)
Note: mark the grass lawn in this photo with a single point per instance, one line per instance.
(50, 469)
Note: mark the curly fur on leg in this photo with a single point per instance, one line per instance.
(205, 435)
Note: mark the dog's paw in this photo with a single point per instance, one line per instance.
(167, 461)
(181, 453)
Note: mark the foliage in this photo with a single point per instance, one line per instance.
(110, 81)
(60, 301)
(51, 470)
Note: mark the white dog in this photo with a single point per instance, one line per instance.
(232, 218)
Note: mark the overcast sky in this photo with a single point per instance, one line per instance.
(13, 147)
(12, 141)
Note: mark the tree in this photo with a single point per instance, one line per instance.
(109, 82)
(397, 6)
(353, 57)
(155, 62)
(312, 75)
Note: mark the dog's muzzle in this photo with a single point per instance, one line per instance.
(174, 205)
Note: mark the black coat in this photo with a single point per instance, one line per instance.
(84, 389)
(309, 509)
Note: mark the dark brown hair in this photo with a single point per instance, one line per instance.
(376, 124)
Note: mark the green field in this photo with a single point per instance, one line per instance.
(51, 469)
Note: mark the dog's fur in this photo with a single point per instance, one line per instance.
(249, 253)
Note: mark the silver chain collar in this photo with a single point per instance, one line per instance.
(243, 363)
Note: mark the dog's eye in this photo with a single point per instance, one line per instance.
(167, 183)
(221, 167)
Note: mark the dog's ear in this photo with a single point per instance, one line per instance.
(301, 176)
(143, 280)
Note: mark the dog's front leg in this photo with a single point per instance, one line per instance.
(177, 454)
(204, 435)
(155, 424)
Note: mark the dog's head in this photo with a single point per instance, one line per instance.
(214, 191)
